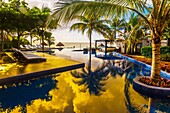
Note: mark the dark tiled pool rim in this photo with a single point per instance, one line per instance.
(33, 75)
(163, 73)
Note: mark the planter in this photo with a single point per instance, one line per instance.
(151, 91)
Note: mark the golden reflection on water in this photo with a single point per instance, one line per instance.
(69, 99)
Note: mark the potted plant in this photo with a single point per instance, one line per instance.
(151, 87)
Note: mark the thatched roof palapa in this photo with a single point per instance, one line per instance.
(60, 44)
(101, 44)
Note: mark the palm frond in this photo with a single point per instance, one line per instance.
(81, 27)
(161, 10)
(66, 10)
(165, 17)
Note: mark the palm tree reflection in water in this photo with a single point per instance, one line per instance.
(118, 67)
(130, 70)
(93, 81)
(156, 105)
(121, 67)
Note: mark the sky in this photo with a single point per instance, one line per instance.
(65, 35)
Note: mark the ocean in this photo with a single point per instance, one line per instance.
(80, 45)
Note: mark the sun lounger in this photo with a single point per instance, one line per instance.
(27, 57)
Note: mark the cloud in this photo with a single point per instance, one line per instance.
(40, 3)
(149, 2)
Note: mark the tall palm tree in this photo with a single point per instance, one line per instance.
(134, 32)
(88, 24)
(38, 38)
(167, 34)
(116, 24)
(157, 19)
(49, 38)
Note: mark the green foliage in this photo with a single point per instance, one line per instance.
(134, 32)
(14, 42)
(155, 18)
(90, 24)
(17, 18)
(165, 57)
(48, 37)
(146, 51)
(165, 52)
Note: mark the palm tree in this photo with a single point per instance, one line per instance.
(134, 32)
(167, 34)
(90, 24)
(38, 38)
(5, 38)
(157, 19)
(32, 33)
(49, 38)
(116, 24)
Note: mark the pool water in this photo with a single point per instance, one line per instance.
(106, 87)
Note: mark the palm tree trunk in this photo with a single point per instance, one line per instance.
(31, 39)
(155, 72)
(129, 49)
(168, 42)
(132, 48)
(135, 48)
(90, 53)
(1, 49)
(42, 40)
(18, 37)
(115, 33)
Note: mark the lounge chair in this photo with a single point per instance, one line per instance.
(27, 57)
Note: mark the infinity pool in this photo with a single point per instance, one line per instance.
(106, 87)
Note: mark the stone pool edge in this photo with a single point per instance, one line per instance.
(33, 75)
(163, 73)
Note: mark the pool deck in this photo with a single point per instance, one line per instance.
(13, 72)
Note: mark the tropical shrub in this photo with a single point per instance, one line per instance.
(14, 42)
(165, 52)
(165, 57)
(146, 51)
